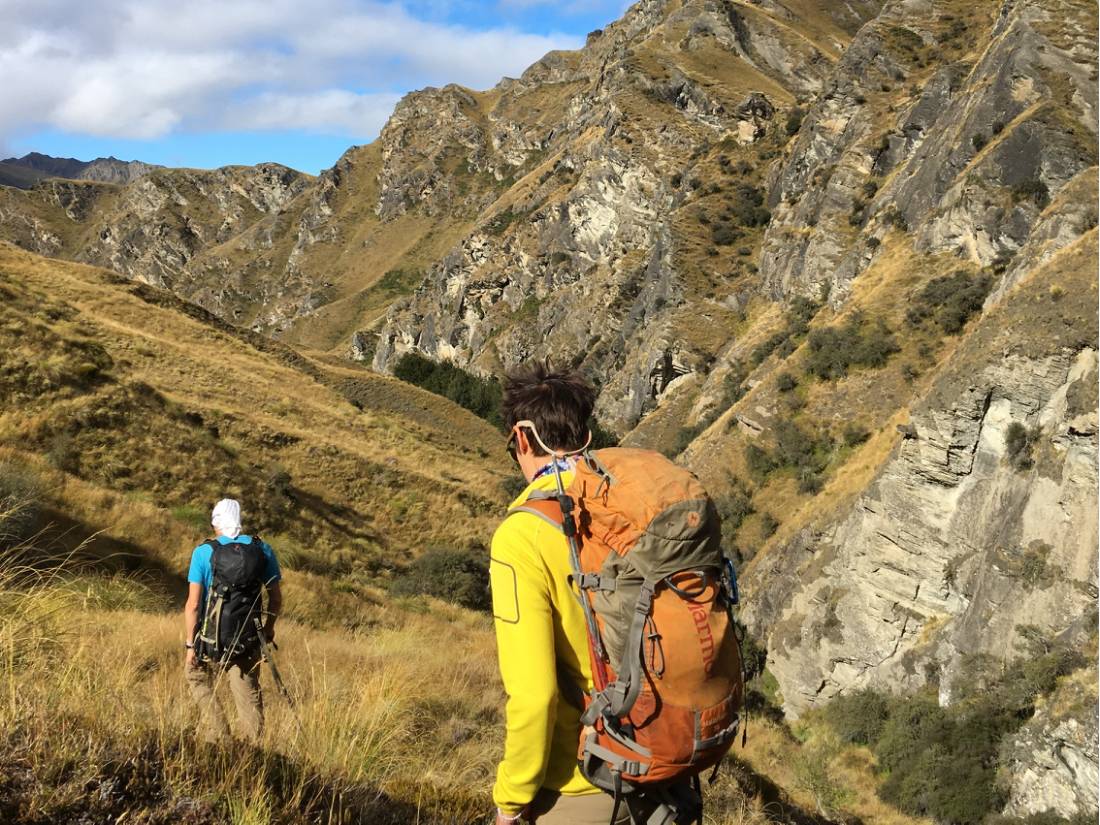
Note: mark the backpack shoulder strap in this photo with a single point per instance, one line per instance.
(546, 509)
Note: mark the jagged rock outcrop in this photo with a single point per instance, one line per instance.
(966, 164)
(1050, 764)
(588, 256)
(982, 523)
(24, 172)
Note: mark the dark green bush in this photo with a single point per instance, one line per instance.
(894, 217)
(733, 508)
(810, 482)
(1033, 190)
(979, 141)
(942, 762)
(799, 314)
(785, 382)
(794, 449)
(21, 496)
(759, 461)
(684, 437)
(859, 717)
(723, 234)
(399, 281)
(1019, 443)
(794, 120)
(500, 222)
(834, 350)
(480, 396)
(950, 301)
(747, 206)
(600, 437)
(455, 576)
(855, 434)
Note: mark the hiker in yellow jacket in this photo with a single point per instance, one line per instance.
(540, 626)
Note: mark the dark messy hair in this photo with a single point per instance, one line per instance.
(559, 403)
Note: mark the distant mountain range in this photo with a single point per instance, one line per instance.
(26, 171)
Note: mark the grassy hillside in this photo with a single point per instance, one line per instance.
(125, 414)
(135, 412)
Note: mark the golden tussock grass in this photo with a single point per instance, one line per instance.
(399, 723)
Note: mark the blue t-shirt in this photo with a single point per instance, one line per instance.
(202, 572)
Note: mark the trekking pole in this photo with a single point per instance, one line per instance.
(266, 649)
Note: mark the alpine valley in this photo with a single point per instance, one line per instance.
(838, 259)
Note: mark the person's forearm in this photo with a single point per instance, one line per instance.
(190, 622)
(274, 607)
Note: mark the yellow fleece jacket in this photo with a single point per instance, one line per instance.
(541, 637)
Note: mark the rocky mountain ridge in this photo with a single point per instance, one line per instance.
(24, 172)
(839, 260)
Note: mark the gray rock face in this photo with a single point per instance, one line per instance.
(967, 166)
(952, 548)
(24, 172)
(1051, 763)
(583, 261)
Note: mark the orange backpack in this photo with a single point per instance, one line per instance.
(657, 593)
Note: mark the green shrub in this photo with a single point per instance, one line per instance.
(810, 482)
(600, 437)
(834, 350)
(894, 217)
(733, 386)
(452, 575)
(808, 455)
(1019, 444)
(759, 462)
(480, 396)
(723, 234)
(978, 141)
(855, 434)
(683, 439)
(858, 717)
(1033, 190)
(733, 508)
(62, 452)
(794, 120)
(785, 382)
(942, 762)
(21, 498)
(950, 301)
(747, 206)
(500, 222)
(799, 314)
(399, 281)
(197, 518)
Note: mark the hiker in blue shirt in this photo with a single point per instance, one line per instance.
(223, 620)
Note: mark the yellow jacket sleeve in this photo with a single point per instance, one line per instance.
(525, 646)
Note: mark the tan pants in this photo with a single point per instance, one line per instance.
(243, 676)
(551, 808)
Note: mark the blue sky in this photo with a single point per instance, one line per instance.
(206, 83)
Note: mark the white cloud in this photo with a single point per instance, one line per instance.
(143, 68)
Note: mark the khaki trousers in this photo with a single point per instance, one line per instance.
(243, 676)
(551, 808)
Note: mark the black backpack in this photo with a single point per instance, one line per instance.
(234, 603)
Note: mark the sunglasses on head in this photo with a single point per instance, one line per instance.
(533, 432)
